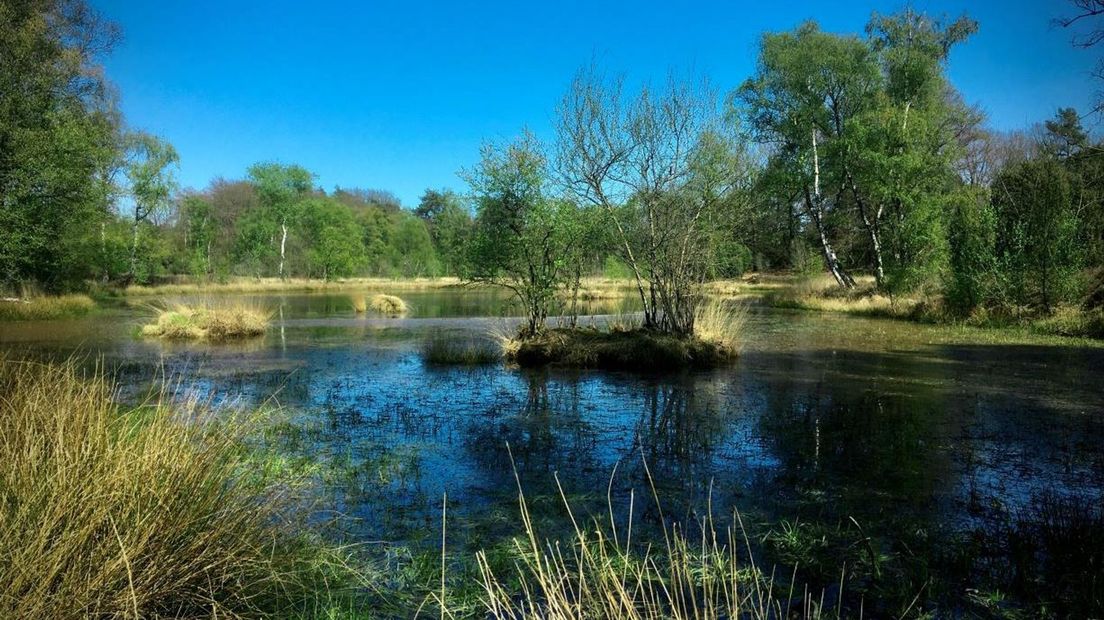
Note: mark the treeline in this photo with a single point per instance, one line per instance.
(843, 153)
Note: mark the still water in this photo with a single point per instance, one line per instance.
(909, 447)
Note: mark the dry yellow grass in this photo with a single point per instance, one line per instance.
(721, 323)
(360, 304)
(262, 285)
(208, 321)
(157, 511)
(45, 307)
(388, 305)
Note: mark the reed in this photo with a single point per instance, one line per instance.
(388, 305)
(153, 511)
(45, 307)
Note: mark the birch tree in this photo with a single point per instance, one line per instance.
(280, 188)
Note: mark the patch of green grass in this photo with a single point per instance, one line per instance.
(464, 351)
(45, 307)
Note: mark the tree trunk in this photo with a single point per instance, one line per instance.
(134, 248)
(816, 211)
(283, 243)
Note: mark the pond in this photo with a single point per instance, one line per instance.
(922, 451)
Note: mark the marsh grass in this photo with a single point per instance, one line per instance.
(45, 307)
(600, 571)
(143, 512)
(262, 285)
(207, 321)
(721, 323)
(388, 305)
(360, 304)
(443, 350)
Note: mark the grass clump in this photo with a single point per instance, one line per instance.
(639, 349)
(388, 305)
(443, 351)
(721, 324)
(600, 572)
(38, 308)
(360, 304)
(207, 322)
(145, 512)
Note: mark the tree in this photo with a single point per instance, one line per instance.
(1084, 11)
(150, 161)
(867, 126)
(280, 188)
(449, 224)
(1036, 232)
(59, 140)
(522, 234)
(199, 228)
(331, 238)
(635, 160)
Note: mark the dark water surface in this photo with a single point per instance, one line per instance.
(839, 439)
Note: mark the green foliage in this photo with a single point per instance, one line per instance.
(331, 238)
(522, 237)
(1036, 233)
(58, 139)
(971, 237)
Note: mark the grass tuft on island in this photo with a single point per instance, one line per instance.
(441, 350)
(208, 322)
(45, 307)
(388, 305)
(150, 511)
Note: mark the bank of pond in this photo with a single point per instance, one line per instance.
(355, 464)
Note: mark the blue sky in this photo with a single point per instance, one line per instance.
(399, 95)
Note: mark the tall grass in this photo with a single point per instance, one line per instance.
(720, 323)
(601, 572)
(208, 321)
(443, 350)
(45, 307)
(146, 512)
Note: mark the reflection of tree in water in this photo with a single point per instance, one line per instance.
(680, 429)
(877, 448)
(546, 433)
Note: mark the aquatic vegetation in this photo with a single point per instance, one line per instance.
(600, 572)
(720, 323)
(45, 307)
(638, 349)
(441, 349)
(360, 304)
(208, 321)
(107, 511)
(388, 305)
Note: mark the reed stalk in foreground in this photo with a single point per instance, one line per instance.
(599, 572)
(147, 512)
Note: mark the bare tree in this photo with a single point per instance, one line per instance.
(635, 159)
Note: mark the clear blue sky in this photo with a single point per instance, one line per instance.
(399, 95)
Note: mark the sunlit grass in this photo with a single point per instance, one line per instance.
(388, 305)
(721, 324)
(261, 285)
(45, 307)
(600, 571)
(143, 512)
(208, 322)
